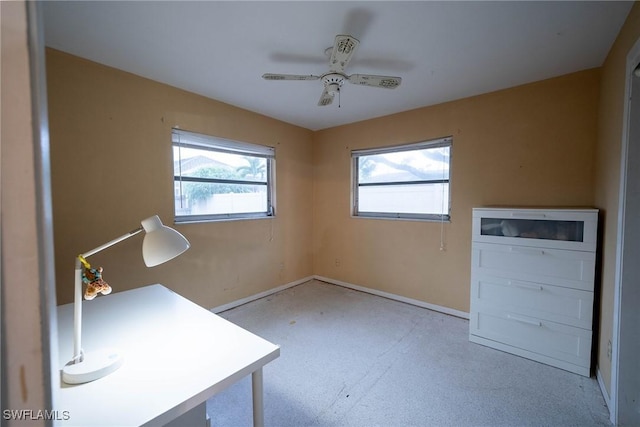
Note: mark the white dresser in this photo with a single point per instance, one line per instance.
(532, 280)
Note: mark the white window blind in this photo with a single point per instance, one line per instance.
(197, 140)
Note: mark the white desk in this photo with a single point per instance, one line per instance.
(176, 356)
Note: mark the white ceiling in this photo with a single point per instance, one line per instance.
(442, 50)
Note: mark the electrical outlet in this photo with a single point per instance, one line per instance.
(337, 262)
(281, 265)
(609, 350)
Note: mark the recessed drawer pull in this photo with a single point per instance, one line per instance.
(526, 251)
(529, 286)
(527, 321)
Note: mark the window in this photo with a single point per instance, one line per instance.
(217, 178)
(408, 181)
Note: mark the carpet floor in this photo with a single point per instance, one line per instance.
(348, 358)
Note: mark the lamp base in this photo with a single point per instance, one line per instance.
(95, 365)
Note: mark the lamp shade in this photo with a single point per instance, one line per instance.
(161, 243)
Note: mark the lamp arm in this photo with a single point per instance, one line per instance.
(112, 242)
(77, 298)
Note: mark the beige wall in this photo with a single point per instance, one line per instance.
(531, 145)
(112, 167)
(111, 164)
(607, 174)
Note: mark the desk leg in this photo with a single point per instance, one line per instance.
(258, 412)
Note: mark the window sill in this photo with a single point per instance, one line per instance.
(446, 219)
(182, 221)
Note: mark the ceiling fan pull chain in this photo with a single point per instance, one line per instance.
(338, 97)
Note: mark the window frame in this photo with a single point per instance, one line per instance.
(356, 185)
(187, 139)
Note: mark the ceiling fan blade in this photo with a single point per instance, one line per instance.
(343, 49)
(388, 82)
(269, 76)
(326, 98)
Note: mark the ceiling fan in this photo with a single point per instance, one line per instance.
(340, 55)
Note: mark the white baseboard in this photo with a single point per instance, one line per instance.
(603, 388)
(237, 303)
(434, 307)
(418, 303)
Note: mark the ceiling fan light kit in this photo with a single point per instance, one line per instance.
(340, 55)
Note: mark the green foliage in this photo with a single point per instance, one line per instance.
(256, 169)
(202, 191)
(366, 165)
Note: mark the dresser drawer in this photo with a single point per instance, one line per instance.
(573, 269)
(547, 302)
(573, 229)
(539, 337)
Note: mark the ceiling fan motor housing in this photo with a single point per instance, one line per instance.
(333, 81)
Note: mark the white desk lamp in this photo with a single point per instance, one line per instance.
(160, 244)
